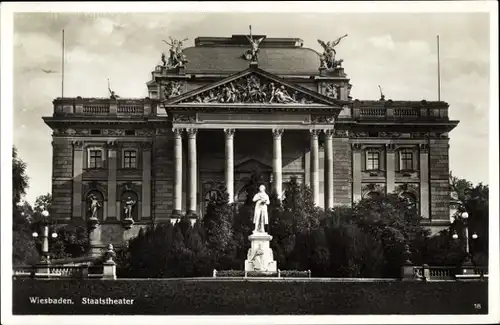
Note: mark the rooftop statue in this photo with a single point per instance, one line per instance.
(176, 58)
(328, 57)
(255, 45)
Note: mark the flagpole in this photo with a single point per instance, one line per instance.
(439, 71)
(62, 68)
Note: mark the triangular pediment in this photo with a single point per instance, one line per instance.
(252, 86)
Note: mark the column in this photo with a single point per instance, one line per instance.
(112, 161)
(315, 165)
(146, 180)
(277, 163)
(178, 172)
(192, 168)
(391, 167)
(356, 172)
(229, 166)
(77, 178)
(329, 168)
(424, 180)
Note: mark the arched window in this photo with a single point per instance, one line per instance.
(98, 198)
(129, 200)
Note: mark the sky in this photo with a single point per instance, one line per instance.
(395, 50)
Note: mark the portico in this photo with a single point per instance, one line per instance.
(232, 131)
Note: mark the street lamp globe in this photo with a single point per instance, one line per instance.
(455, 236)
(34, 234)
(45, 213)
(465, 215)
(474, 236)
(54, 235)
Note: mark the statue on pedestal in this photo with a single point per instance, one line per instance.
(260, 217)
(257, 259)
(328, 57)
(94, 206)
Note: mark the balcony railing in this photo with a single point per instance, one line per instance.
(399, 110)
(104, 107)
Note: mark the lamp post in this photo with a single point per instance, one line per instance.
(468, 261)
(45, 259)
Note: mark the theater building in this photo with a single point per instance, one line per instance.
(218, 112)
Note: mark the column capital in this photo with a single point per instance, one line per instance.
(146, 145)
(356, 147)
(277, 133)
(424, 148)
(314, 133)
(390, 147)
(77, 144)
(191, 133)
(111, 144)
(329, 133)
(177, 132)
(229, 133)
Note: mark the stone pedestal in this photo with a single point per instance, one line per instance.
(260, 255)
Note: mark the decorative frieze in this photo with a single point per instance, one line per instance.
(341, 133)
(328, 119)
(144, 132)
(184, 118)
(113, 132)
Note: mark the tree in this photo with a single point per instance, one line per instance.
(19, 178)
(474, 199)
(23, 247)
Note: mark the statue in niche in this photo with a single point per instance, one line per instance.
(95, 205)
(129, 205)
(328, 56)
(260, 217)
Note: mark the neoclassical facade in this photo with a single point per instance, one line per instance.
(221, 111)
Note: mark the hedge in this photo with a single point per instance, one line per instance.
(213, 297)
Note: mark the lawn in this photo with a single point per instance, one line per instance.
(191, 297)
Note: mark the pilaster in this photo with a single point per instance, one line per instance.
(77, 178)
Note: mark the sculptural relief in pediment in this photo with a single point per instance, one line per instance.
(251, 89)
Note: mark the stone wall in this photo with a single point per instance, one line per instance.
(439, 179)
(62, 174)
(342, 171)
(163, 175)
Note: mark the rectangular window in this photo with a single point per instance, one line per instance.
(95, 159)
(130, 159)
(372, 160)
(406, 160)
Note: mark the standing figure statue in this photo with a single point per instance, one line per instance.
(94, 206)
(129, 204)
(328, 56)
(260, 217)
(255, 45)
